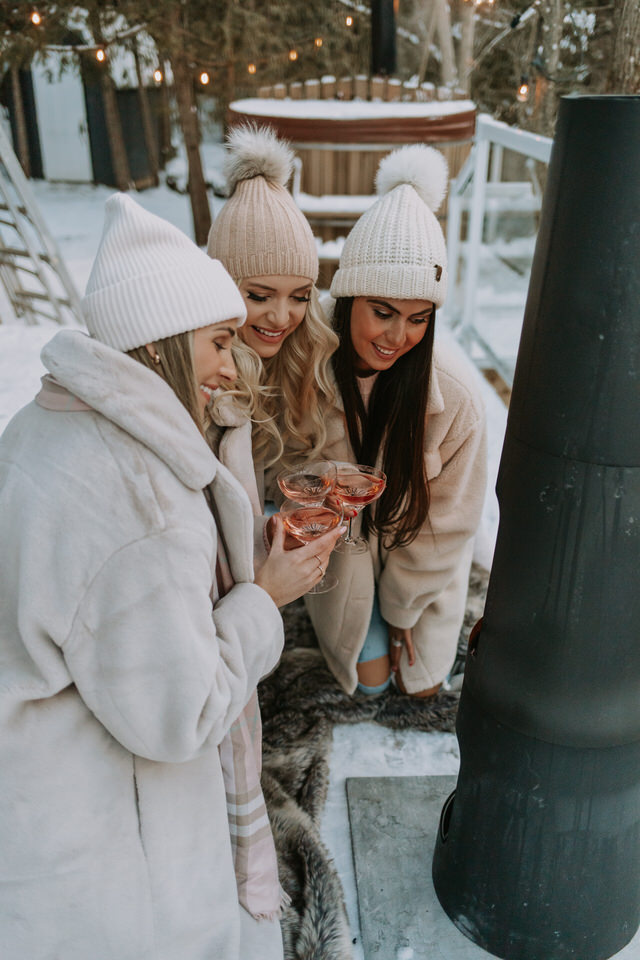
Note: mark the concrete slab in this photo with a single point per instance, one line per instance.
(393, 827)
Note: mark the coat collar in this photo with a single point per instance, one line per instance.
(225, 412)
(435, 400)
(135, 399)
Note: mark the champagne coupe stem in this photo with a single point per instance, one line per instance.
(349, 538)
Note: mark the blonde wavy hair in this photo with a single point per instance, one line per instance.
(285, 396)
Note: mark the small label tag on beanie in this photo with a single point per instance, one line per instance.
(438, 272)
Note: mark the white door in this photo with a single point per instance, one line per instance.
(62, 121)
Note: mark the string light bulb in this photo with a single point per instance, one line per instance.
(157, 76)
(101, 56)
(523, 90)
(35, 18)
(204, 78)
(349, 20)
(318, 41)
(293, 55)
(251, 68)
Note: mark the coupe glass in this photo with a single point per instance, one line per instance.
(308, 482)
(356, 486)
(306, 521)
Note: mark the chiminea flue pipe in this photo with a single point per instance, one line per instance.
(383, 38)
(538, 852)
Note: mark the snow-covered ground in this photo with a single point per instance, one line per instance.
(74, 216)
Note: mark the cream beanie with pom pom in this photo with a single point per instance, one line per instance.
(397, 249)
(260, 231)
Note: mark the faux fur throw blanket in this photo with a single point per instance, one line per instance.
(300, 702)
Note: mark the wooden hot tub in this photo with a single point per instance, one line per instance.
(341, 142)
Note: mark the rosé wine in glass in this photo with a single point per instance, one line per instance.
(358, 489)
(308, 482)
(306, 522)
(356, 486)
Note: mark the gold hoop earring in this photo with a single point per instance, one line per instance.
(156, 358)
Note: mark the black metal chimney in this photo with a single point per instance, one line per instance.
(538, 853)
(383, 38)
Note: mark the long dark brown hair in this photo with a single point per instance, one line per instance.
(393, 427)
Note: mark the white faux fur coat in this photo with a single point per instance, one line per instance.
(119, 672)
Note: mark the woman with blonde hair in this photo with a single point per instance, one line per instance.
(266, 244)
(134, 629)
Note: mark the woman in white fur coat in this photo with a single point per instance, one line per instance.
(133, 630)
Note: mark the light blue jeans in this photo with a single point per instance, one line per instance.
(376, 644)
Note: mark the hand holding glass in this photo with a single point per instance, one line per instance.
(307, 521)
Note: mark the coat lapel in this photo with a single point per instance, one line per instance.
(235, 454)
(235, 520)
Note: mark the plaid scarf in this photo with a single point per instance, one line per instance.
(254, 850)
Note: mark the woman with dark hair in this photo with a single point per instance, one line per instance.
(408, 404)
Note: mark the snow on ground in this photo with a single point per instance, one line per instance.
(20, 367)
(367, 750)
(74, 216)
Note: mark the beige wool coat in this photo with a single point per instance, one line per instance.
(120, 671)
(422, 585)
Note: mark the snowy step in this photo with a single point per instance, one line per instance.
(334, 205)
(394, 823)
(329, 251)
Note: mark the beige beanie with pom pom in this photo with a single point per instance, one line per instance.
(260, 231)
(397, 249)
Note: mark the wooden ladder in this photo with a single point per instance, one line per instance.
(34, 276)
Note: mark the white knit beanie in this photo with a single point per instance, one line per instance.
(150, 281)
(397, 249)
(260, 231)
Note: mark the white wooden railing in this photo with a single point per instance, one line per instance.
(479, 190)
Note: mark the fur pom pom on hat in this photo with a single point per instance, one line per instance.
(423, 168)
(260, 231)
(150, 281)
(397, 249)
(257, 152)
